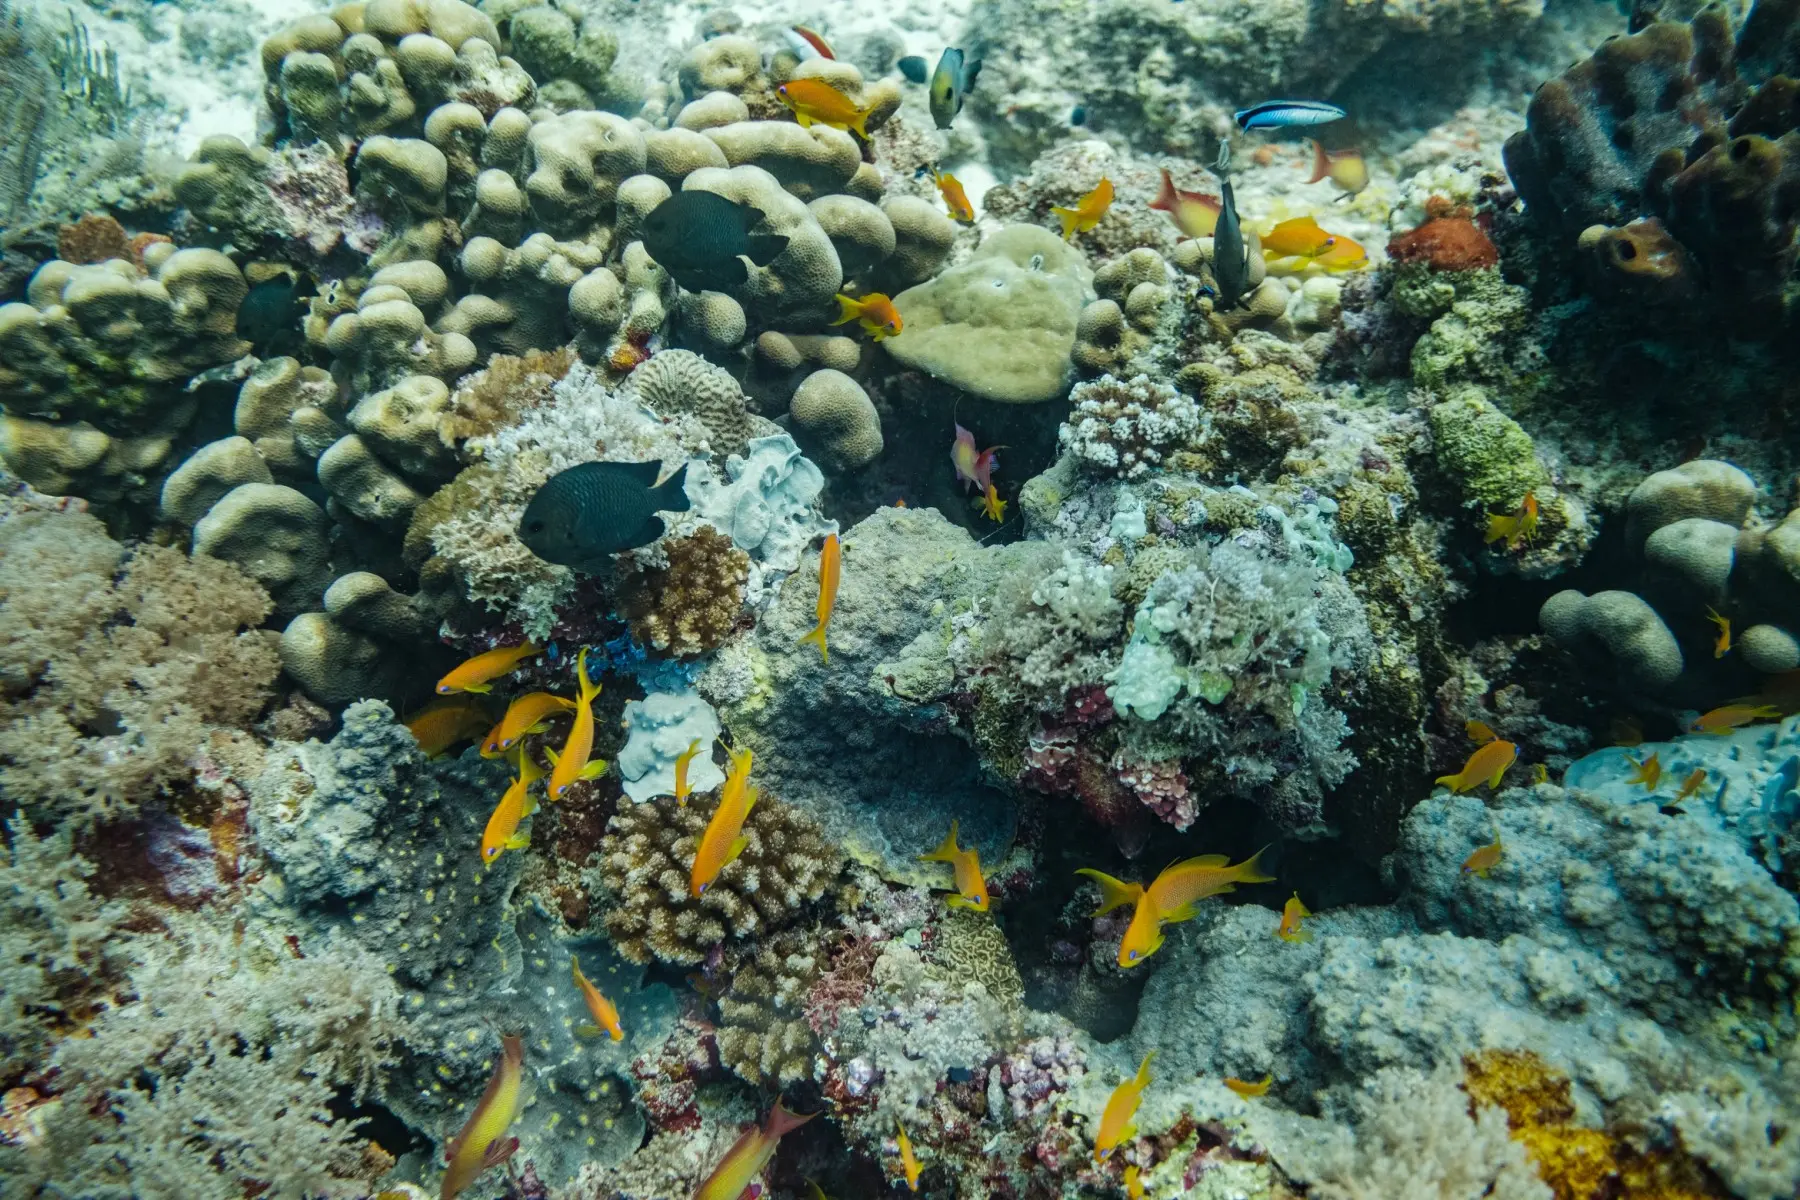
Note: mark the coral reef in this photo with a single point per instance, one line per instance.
(691, 605)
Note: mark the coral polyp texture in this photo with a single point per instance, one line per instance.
(1093, 597)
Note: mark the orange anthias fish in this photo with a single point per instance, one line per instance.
(874, 312)
(1347, 169)
(1194, 213)
(909, 1165)
(724, 838)
(526, 715)
(831, 560)
(1647, 771)
(1487, 764)
(478, 674)
(682, 762)
(971, 888)
(991, 505)
(1343, 255)
(604, 1012)
(955, 199)
(502, 832)
(1516, 529)
(1170, 898)
(483, 1142)
(1116, 1127)
(1480, 732)
(1134, 1187)
(1299, 236)
(814, 100)
(1087, 211)
(1722, 646)
(1291, 915)
(1484, 859)
(973, 468)
(490, 744)
(443, 723)
(1730, 716)
(749, 1155)
(1247, 1089)
(573, 763)
(1691, 784)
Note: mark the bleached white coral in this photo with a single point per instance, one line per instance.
(1128, 427)
(1742, 1138)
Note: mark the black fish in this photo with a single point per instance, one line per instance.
(914, 68)
(697, 237)
(587, 513)
(1231, 257)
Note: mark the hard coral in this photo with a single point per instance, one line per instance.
(644, 862)
(690, 606)
(1128, 427)
(970, 946)
(1449, 241)
(764, 1035)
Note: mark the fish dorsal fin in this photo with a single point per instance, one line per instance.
(647, 471)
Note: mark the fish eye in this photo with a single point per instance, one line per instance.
(1132, 955)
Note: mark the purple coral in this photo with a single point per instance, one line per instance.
(1161, 786)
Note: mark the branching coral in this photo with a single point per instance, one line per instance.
(112, 686)
(763, 1031)
(1128, 427)
(644, 861)
(691, 605)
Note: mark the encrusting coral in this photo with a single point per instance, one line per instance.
(644, 861)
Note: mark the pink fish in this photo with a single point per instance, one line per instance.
(973, 468)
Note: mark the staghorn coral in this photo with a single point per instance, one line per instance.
(112, 685)
(644, 861)
(763, 1031)
(692, 604)
(1128, 427)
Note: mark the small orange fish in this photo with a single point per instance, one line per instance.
(908, 1164)
(1488, 763)
(482, 1142)
(1647, 771)
(971, 888)
(573, 763)
(527, 715)
(831, 566)
(443, 723)
(991, 505)
(1246, 1089)
(749, 1155)
(1172, 897)
(490, 744)
(724, 838)
(1134, 1187)
(1345, 168)
(478, 674)
(1116, 1127)
(955, 198)
(1730, 716)
(1517, 529)
(682, 762)
(1087, 211)
(1722, 646)
(814, 100)
(1291, 914)
(1194, 213)
(1484, 858)
(605, 1014)
(1480, 732)
(1691, 785)
(874, 312)
(1343, 255)
(502, 832)
(1299, 237)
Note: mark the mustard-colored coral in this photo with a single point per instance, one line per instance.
(644, 862)
(763, 1031)
(691, 605)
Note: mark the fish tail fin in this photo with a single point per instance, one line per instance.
(671, 494)
(1251, 869)
(1301, 935)
(860, 122)
(1143, 1071)
(782, 1122)
(589, 1030)
(1453, 782)
(817, 638)
(1321, 163)
(1114, 893)
(1070, 218)
(947, 849)
(1165, 196)
(765, 248)
(848, 310)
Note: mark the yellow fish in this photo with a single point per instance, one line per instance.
(749, 1155)
(1722, 646)
(971, 888)
(682, 762)
(1488, 764)
(572, 764)
(1647, 771)
(478, 673)
(1540, 773)
(831, 566)
(908, 1164)
(1480, 732)
(1484, 858)
(604, 1012)
(1298, 237)
(1291, 914)
(955, 198)
(1134, 1187)
(1246, 1089)
(1194, 213)
(1347, 169)
(1087, 211)
(723, 840)
(527, 715)
(483, 1143)
(991, 505)
(875, 312)
(1342, 255)
(502, 832)
(1516, 529)
(1116, 1127)
(1170, 898)
(813, 100)
(1730, 716)
(443, 723)
(1691, 784)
